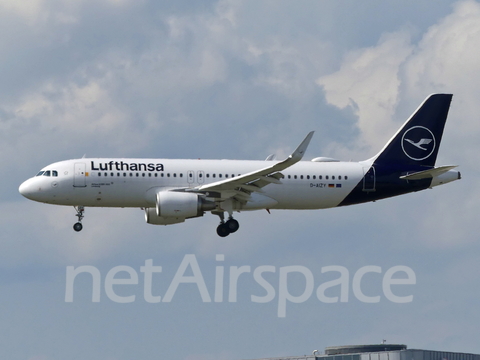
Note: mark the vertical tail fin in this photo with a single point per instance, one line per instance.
(418, 140)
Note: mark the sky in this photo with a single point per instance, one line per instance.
(235, 80)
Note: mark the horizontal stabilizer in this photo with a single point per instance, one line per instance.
(428, 174)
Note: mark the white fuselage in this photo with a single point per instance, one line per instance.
(135, 182)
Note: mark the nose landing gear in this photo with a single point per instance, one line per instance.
(78, 226)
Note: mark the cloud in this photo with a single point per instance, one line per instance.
(396, 74)
(446, 60)
(29, 10)
(184, 79)
(387, 81)
(227, 79)
(369, 82)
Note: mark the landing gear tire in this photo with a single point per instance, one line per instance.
(80, 210)
(226, 227)
(232, 225)
(223, 230)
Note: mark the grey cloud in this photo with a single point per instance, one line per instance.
(170, 79)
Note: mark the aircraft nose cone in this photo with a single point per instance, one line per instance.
(27, 189)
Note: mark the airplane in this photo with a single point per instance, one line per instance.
(171, 191)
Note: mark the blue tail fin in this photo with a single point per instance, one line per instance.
(417, 142)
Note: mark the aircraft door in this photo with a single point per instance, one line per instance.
(79, 175)
(369, 179)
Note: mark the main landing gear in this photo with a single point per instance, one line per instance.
(78, 226)
(227, 227)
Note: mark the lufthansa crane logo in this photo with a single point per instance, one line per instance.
(418, 143)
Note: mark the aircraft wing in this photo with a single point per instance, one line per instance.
(242, 186)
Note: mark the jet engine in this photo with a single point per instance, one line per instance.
(174, 207)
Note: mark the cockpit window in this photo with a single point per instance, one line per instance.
(48, 173)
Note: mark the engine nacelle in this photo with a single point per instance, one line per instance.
(182, 204)
(151, 217)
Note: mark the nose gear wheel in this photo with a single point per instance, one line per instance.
(78, 225)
